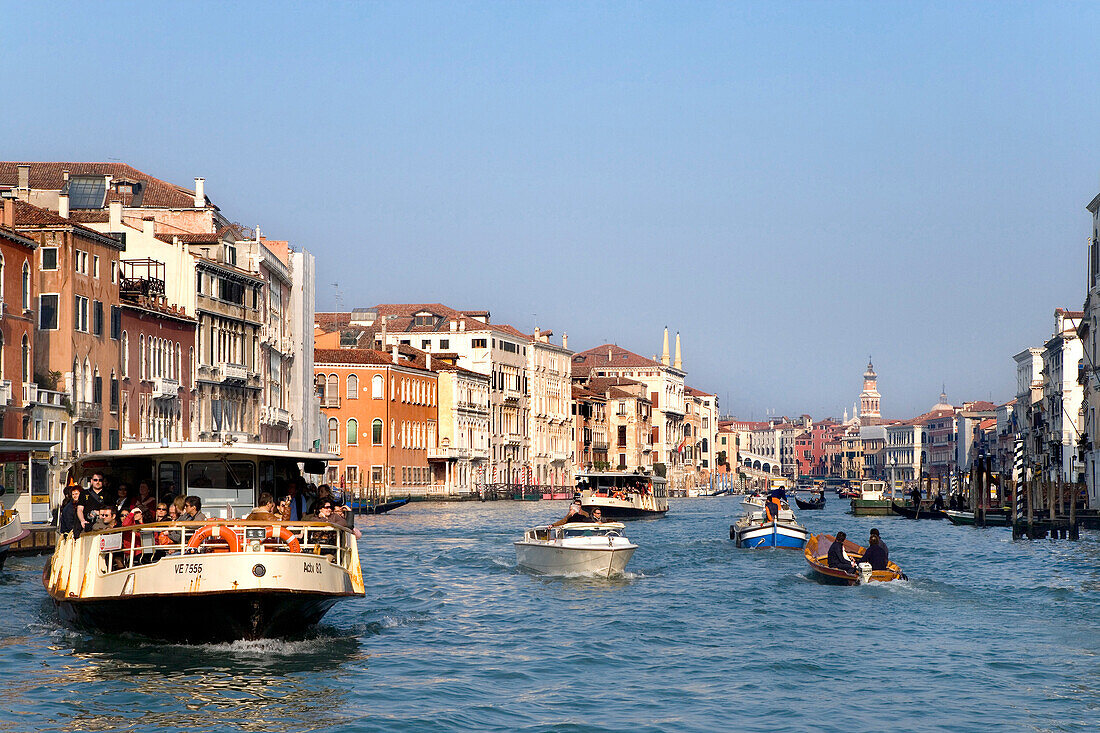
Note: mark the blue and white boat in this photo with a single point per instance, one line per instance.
(754, 530)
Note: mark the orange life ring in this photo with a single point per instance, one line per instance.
(285, 536)
(215, 531)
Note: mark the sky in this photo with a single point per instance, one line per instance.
(793, 187)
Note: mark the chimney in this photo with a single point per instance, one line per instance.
(462, 325)
(428, 361)
(679, 363)
(454, 326)
(9, 214)
(24, 177)
(200, 193)
(608, 354)
(148, 226)
(565, 340)
(115, 216)
(664, 350)
(537, 332)
(63, 205)
(107, 182)
(395, 359)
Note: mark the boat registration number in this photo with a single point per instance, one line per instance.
(311, 567)
(189, 568)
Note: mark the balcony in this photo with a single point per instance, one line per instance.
(164, 388)
(30, 393)
(87, 412)
(5, 393)
(334, 448)
(513, 437)
(274, 415)
(286, 345)
(330, 401)
(600, 445)
(234, 372)
(268, 334)
(447, 453)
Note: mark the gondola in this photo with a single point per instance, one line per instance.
(384, 507)
(817, 553)
(818, 503)
(927, 511)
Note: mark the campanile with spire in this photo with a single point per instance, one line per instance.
(868, 399)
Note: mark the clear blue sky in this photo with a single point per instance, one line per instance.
(792, 186)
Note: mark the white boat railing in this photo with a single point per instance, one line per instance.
(149, 543)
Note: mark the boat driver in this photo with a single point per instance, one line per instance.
(838, 558)
(575, 514)
(877, 553)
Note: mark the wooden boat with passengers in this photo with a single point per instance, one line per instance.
(817, 555)
(224, 578)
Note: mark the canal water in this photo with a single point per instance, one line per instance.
(989, 634)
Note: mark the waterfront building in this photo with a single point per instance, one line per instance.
(157, 344)
(590, 429)
(871, 449)
(1029, 408)
(549, 379)
(305, 407)
(630, 422)
(704, 414)
(18, 308)
(1062, 398)
(940, 433)
(460, 458)
(1089, 333)
(381, 411)
(904, 452)
(664, 381)
(968, 431)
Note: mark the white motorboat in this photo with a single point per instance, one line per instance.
(11, 531)
(575, 548)
(223, 578)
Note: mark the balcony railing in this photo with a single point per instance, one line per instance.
(30, 393)
(5, 392)
(330, 401)
(274, 415)
(237, 372)
(444, 453)
(334, 448)
(164, 388)
(87, 411)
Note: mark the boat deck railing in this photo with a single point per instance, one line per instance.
(150, 543)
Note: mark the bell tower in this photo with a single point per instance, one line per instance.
(869, 398)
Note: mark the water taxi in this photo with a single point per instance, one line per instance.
(11, 530)
(817, 555)
(222, 578)
(622, 494)
(872, 500)
(576, 548)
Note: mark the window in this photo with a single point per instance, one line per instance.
(26, 286)
(353, 432)
(87, 192)
(141, 356)
(114, 272)
(49, 258)
(478, 343)
(376, 386)
(114, 393)
(333, 433)
(353, 387)
(47, 312)
(116, 322)
(26, 359)
(125, 354)
(95, 265)
(444, 344)
(97, 389)
(80, 313)
(97, 318)
(425, 344)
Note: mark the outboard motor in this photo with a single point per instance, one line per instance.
(863, 572)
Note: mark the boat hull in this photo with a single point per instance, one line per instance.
(559, 560)
(809, 505)
(200, 617)
(926, 511)
(871, 507)
(770, 534)
(992, 519)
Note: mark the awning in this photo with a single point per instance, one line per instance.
(14, 449)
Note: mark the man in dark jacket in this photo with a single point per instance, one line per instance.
(878, 554)
(838, 558)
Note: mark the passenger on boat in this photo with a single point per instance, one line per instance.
(877, 554)
(145, 499)
(91, 501)
(264, 511)
(283, 508)
(175, 509)
(123, 502)
(67, 520)
(937, 503)
(298, 504)
(192, 510)
(161, 513)
(838, 558)
(108, 518)
(916, 496)
(575, 514)
(342, 512)
(134, 516)
(597, 516)
(771, 508)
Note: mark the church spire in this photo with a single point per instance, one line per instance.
(679, 363)
(664, 350)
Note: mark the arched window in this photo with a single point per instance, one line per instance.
(26, 359)
(376, 386)
(1, 355)
(353, 386)
(376, 432)
(353, 432)
(76, 382)
(26, 286)
(334, 435)
(319, 387)
(332, 391)
(125, 355)
(141, 356)
(1, 277)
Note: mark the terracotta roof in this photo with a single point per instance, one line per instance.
(988, 423)
(49, 176)
(32, 217)
(585, 361)
(980, 406)
(580, 393)
(365, 357)
(697, 392)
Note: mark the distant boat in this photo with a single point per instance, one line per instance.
(817, 554)
(382, 508)
(993, 517)
(926, 511)
(872, 500)
(818, 503)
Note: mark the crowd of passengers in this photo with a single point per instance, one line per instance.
(97, 508)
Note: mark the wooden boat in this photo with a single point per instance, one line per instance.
(926, 511)
(622, 494)
(993, 517)
(383, 507)
(818, 503)
(817, 553)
